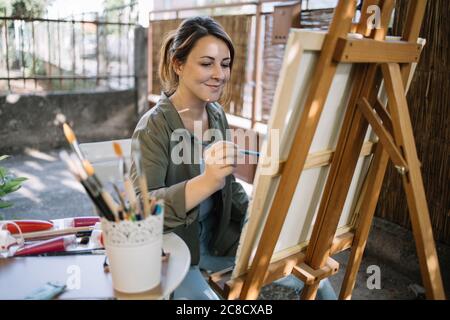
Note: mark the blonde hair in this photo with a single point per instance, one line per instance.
(178, 44)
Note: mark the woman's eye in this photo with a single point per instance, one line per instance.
(225, 65)
(206, 64)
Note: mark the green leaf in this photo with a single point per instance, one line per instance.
(4, 204)
(13, 189)
(11, 186)
(19, 179)
(13, 183)
(4, 157)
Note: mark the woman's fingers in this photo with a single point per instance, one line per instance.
(221, 160)
(227, 170)
(222, 146)
(222, 152)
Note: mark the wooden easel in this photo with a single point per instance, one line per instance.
(377, 60)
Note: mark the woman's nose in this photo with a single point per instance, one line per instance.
(218, 73)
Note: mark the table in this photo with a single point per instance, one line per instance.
(22, 275)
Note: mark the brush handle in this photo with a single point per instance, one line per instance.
(77, 150)
(249, 152)
(241, 151)
(131, 195)
(144, 195)
(98, 201)
(111, 204)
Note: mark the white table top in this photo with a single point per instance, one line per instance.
(21, 276)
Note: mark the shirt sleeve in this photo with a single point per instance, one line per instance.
(239, 201)
(154, 140)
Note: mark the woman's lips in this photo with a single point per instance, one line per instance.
(215, 86)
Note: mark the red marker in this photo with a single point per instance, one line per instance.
(29, 226)
(85, 221)
(52, 245)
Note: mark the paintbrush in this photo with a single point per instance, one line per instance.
(111, 204)
(241, 151)
(72, 139)
(81, 176)
(95, 188)
(128, 186)
(119, 195)
(93, 178)
(107, 198)
(123, 207)
(119, 153)
(152, 204)
(137, 157)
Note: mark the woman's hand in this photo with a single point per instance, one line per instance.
(220, 162)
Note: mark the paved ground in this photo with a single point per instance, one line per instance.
(51, 192)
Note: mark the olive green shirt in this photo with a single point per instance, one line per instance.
(161, 133)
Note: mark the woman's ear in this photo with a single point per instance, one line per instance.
(177, 67)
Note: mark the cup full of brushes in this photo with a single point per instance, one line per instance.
(134, 251)
(132, 224)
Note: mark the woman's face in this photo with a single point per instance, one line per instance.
(207, 69)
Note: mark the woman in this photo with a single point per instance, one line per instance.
(204, 204)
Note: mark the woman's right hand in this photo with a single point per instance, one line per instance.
(220, 162)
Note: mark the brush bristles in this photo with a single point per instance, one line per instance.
(68, 132)
(117, 149)
(88, 167)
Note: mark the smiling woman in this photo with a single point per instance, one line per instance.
(205, 206)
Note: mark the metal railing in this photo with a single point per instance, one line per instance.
(40, 54)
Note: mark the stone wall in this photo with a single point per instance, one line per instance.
(29, 121)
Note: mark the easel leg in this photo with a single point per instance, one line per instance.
(369, 203)
(309, 292)
(413, 184)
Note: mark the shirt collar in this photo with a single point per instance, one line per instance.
(174, 120)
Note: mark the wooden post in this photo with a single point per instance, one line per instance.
(256, 65)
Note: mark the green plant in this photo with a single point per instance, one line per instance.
(8, 184)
